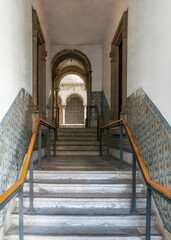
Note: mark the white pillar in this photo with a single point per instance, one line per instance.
(63, 110)
(85, 113)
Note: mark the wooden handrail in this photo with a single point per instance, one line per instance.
(153, 184)
(111, 124)
(97, 113)
(16, 185)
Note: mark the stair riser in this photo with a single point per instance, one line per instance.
(83, 203)
(76, 148)
(90, 188)
(77, 153)
(76, 143)
(82, 175)
(77, 134)
(57, 221)
(77, 138)
(38, 237)
(79, 130)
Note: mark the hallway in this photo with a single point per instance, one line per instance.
(85, 88)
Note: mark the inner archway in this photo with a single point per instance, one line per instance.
(66, 63)
(72, 101)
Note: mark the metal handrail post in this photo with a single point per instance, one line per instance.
(39, 147)
(148, 214)
(49, 143)
(54, 144)
(121, 146)
(21, 226)
(100, 142)
(31, 210)
(98, 129)
(108, 157)
(133, 211)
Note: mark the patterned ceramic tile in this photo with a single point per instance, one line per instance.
(96, 98)
(100, 99)
(15, 133)
(106, 112)
(152, 134)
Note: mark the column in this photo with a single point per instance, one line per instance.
(63, 111)
(35, 80)
(85, 113)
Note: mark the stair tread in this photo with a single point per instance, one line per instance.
(84, 212)
(85, 182)
(98, 196)
(77, 230)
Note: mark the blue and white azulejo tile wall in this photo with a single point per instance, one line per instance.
(15, 135)
(152, 134)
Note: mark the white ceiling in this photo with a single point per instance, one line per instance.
(77, 22)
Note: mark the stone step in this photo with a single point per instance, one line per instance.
(110, 233)
(83, 176)
(83, 211)
(57, 201)
(78, 134)
(76, 138)
(77, 153)
(102, 189)
(77, 143)
(79, 130)
(76, 148)
(71, 223)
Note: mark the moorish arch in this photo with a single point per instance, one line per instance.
(70, 61)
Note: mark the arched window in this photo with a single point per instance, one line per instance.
(74, 110)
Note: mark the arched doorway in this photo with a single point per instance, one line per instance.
(72, 101)
(70, 62)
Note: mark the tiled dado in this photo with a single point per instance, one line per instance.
(15, 134)
(99, 98)
(152, 134)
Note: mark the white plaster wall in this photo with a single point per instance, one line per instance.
(94, 53)
(119, 7)
(149, 51)
(16, 51)
(37, 5)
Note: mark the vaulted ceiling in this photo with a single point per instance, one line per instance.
(77, 22)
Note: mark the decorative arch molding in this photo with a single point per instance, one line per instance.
(71, 70)
(70, 54)
(57, 73)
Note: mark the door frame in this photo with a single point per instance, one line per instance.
(120, 36)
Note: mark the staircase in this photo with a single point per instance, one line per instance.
(77, 142)
(90, 202)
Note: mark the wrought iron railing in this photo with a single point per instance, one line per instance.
(151, 185)
(17, 188)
